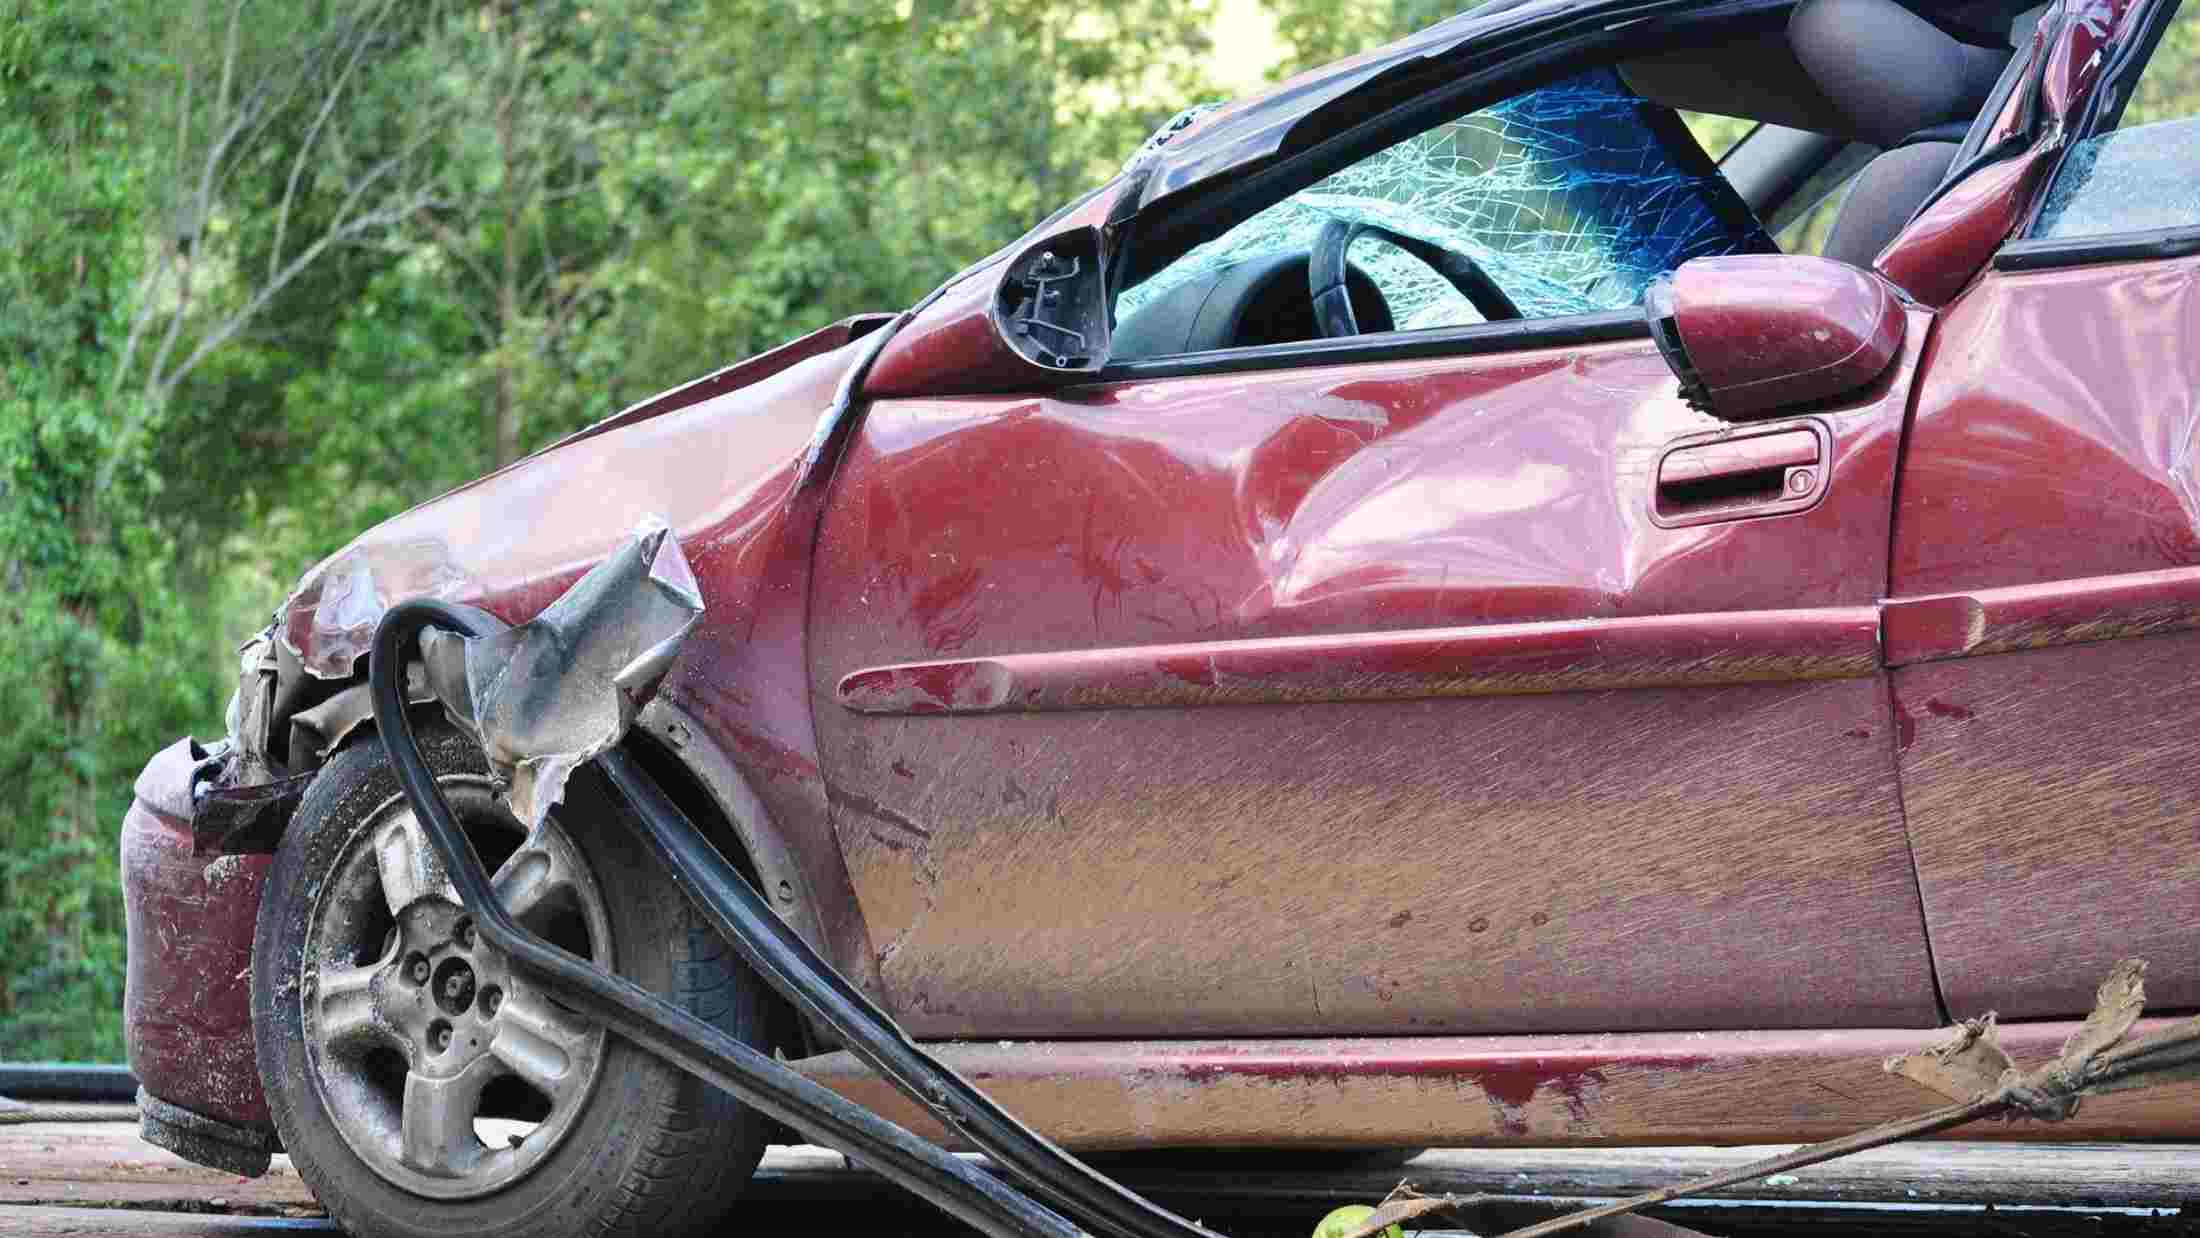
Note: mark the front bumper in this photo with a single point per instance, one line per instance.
(187, 1005)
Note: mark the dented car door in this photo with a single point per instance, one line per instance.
(1368, 649)
(1362, 698)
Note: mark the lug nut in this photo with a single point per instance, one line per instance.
(439, 1036)
(465, 934)
(491, 998)
(417, 970)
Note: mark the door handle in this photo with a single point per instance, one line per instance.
(1730, 476)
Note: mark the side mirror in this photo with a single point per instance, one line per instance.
(1036, 321)
(1754, 335)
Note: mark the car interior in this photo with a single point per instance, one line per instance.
(1861, 107)
(1849, 82)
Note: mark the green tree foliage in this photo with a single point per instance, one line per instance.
(1319, 31)
(2169, 87)
(274, 271)
(78, 590)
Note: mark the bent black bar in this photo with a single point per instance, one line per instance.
(67, 1081)
(962, 1190)
(788, 964)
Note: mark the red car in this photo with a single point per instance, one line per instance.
(1425, 611)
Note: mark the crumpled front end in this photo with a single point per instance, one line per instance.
(197, 843)
(729, 465)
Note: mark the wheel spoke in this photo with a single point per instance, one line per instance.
(544, 1045)
(539, 878)
(410, 868)
(436, 1131)
(349, 1015)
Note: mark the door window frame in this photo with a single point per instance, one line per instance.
(1210, 211)
(2102, 110)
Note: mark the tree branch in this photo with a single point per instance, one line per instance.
(359, 47)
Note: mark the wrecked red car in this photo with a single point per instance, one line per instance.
(1426, 611)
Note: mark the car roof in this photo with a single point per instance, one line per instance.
(1245, 131)
(1258, 125)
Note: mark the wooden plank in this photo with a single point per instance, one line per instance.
(70, 1163)
(2004, 1174)
(27, 1222)
(48, 1172)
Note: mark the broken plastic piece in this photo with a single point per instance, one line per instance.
(554, 692)
(246, 818)
(329, 621)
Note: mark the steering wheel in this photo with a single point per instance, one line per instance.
(1326, 266)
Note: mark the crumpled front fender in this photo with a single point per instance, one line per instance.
(740, 479)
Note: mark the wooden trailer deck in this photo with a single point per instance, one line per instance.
(98, 1178)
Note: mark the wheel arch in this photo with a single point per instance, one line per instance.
(702, 780)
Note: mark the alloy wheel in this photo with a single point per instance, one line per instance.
(450, 1074)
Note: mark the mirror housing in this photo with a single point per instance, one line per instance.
(1754, 335)
(1036, 321)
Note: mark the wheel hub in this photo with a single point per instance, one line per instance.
(417, 1028)
(433, 1001)
(454, 985)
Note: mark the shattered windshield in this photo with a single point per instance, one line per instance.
(1571, 198)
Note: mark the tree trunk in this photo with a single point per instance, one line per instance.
(507, 410)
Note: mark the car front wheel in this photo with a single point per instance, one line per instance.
(422, 1085)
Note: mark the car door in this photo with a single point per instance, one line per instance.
(1430, 680)
(2046, 572)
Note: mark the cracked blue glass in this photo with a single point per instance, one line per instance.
(1572, 198)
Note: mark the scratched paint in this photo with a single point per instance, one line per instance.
(2052, 807)
(1597, 854)
(1644, 1088)
(187, 996)
(2049, 498)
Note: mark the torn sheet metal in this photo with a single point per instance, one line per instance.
(552, 693)
(242, 795)
(1168, 133)
(318, 732)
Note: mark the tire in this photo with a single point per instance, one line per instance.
(635, 1146)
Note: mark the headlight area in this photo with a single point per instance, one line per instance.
(284, 724)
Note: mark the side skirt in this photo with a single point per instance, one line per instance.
(1672, 1088)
